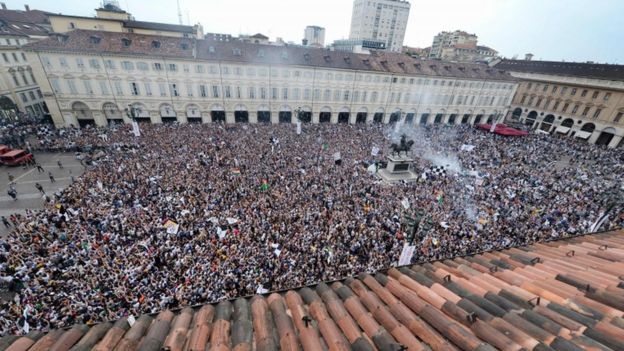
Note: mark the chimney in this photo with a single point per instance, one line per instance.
(3, 5)
(528, 57)
(27, 7)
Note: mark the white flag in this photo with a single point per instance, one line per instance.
(135, 129)
(298, 127)
(375, 151)
(406, 204)
(406, 255)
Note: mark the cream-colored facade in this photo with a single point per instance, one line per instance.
(584, 108)
(95, 87)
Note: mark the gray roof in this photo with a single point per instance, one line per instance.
(159, 26)
(571, 69)
(236, 51)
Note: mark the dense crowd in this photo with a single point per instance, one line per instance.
(187, 214)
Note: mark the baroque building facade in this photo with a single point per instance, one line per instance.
(578, 100)
(90, 77)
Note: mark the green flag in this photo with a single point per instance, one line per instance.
(264, 186)
(325, 146)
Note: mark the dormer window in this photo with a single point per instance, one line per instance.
(347, 60)
(184, 46)
(236, 52)
(417, 66)
(211, 49)
(306, 56)
(327, 58)
(433, 67)
(94, 39)
(126, 42)
(448, 68)
(366, 62)
(155, 44)
(285, 55)
(260, 53)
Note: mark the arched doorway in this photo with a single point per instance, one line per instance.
(83, 114)
(423, 119)
(193, 114)
(343, 115)
(264, 114)
(547, 123)
(478, 119)
(112, 113)
(360, 117)
(530, 119)
(409, 117)
(285, 114)
(565, 126)
(168, 114)
(606, 136)
(305, 116)
(452, 119)
(395, 116)
(465, 119)
(141, 114)
(490, 119)
(438, 118)
(586, 131)
(517, 113)
(325, 115)
(378, 116)
(8, 109)
(217, 114)
(241, 115)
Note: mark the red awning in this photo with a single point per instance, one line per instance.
(502, 129)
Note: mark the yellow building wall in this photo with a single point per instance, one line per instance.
(63, 24)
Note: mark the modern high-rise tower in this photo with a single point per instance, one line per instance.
(380, 20)
(314, 36)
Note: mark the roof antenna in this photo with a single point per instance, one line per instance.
(179, 12)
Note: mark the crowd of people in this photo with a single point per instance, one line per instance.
(188, 214)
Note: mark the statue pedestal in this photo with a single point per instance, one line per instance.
(398, 170)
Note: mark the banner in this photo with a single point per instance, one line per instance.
(298, 127)
(375, 151)
(406, 255)
(135, 129)
(467, 147)
(172, 227)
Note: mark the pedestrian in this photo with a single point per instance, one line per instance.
(39, 168)
(11, 177)
(59, 164)
(12, 193)
(40, 188)
(6, 222)
(51, 177)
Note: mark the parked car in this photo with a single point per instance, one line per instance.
(16, 157)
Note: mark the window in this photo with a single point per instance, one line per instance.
(79, 62)
(23, 97)
(14, 57)
(607, 96)
(148, 88)
(215, 91)
(556, 106)
(199, 69)
(118, 88)
(364, 96)
(238, 71)
(5, 57)
(539, 102)
(251, 72)
(575, 109)
(531, 100)
(563, 90)
(71, 84)
(307, 93)
(63, 62)
(225, 70)
(595, 94)
(24, 78)
(263, 93)
(127, 65)
(295, 94)
(126, 42)
(94, 63)
(285, 73)
(317, 94)
(184, 46)
(46, 61)
(172, 67)
(356, 96)
(110, 64)
(32, 77)
(227, 93)
(155, 44)
(94, 39)
(345, 96)
(374, 97)
(262, 72)
(554, 89)
(565, 107)
(274, 73)
(87, 86)
(189, 90)
(202, 91)
(162, 89)
(39, 94)
(186, 68)
(573, 91)
(523, 99)
(56, 86)
(173, 89)
(103, 87)
(285, 93)
(597, 113)
(585, 111)
(529, 86)
(337, 95)
(32, 95)
(547, 104)
(252, 93)
(142, 66)
(274, 93)
(545, 88)
(584, 93)
(134, 89)
(158, 66)
(236, 52)
(618, 117)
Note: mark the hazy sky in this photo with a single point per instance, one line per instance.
(571, 30)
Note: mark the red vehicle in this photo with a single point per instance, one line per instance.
(15, 157)
(4, 149)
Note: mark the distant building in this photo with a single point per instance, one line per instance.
(416, 52)
(314, 36)
(257, 38)
(460, 46)
(219, 37)
(112, 18)
(19, 91)
(584, 101)
(358, 46)
(384, 20)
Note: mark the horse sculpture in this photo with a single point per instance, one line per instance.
(403, 146)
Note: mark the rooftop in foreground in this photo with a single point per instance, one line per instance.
(560, 295)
